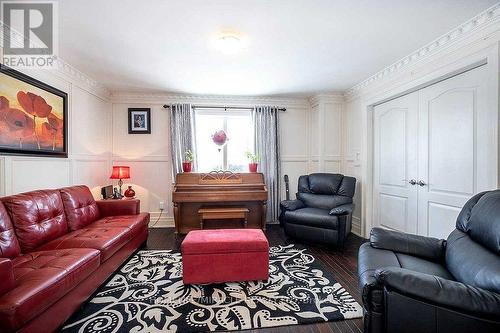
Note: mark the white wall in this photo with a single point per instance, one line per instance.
(473, 41)
(311, 140)
(89, 140)
(149, 155)
(333, 148)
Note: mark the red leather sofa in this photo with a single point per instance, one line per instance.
(56, 248)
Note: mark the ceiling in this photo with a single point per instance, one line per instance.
(294, 47)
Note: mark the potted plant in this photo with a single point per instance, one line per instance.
(253, 161)
(187, 164)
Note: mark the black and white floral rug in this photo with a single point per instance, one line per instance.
(147, 295)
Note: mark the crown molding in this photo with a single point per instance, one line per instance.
(167, 98)
(81, 79)
(484, 19)
(62, 68)
(334, 97)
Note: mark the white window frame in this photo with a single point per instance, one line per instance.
(224, 113)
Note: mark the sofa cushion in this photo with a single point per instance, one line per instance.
(9, 246)
(6, 275)
(79, 206)
(133, 222)
(371, 259)
(484, 222)
(38, 217)
(313, 217)
(106, 240)
(41, 279)
(423, 266)
(471, 263)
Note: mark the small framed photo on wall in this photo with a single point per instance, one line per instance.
(139, 121)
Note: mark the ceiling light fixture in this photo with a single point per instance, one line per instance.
(229, 42)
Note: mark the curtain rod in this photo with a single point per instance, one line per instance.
(166, 106)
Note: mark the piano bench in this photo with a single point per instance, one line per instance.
(222, 213)
(224, 255)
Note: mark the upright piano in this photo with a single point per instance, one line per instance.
(193, 191)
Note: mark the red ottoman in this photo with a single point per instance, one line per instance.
(225, 255)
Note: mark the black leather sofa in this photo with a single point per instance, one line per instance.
(322, 212)
(412, 283)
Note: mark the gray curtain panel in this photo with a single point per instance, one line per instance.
(266, 127)
(181, 134)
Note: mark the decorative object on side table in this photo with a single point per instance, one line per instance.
(33, 116)
(187, 164)
(129, 193)
(139, 121)
(253, 161)
(107, 192)
(120, 172)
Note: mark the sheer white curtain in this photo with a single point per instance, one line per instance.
(266, 129)
(181, 134)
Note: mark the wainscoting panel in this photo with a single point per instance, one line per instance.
(141, 146)
(332, 129)
(39, 173)
(314, 130)
(151, 180)
(93, 173)
(293, 132)
(91, 123)
(294, 169)
(333, 165)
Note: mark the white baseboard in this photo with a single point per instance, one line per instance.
(164, 221)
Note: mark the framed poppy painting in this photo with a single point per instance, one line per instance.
(33, 116)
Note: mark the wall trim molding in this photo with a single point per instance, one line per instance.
(81, 79)
(483, 20)
(146, 158)
(333, 97)
(164, 222)
(118, 97)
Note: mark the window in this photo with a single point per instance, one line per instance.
(239, 129)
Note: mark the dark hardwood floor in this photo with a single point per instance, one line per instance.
(341, 264)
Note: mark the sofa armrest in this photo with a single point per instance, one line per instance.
(291, 205)
(342, 210)
(6, 276)
(415, 245)
(119, 207)
(441, 292)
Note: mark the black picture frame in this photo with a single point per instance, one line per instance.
(141, 114)
(5, 70)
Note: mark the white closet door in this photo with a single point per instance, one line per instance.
(457, 149)
(395, 163)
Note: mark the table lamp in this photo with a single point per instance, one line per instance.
(120, 172)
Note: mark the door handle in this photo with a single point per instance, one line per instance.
(421, 183)
(412, 182)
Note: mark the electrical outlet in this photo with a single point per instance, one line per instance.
(162, 205)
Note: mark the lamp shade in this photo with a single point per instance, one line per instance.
(120, 172)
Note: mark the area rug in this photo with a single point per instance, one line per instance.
(147, 295)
